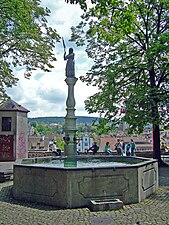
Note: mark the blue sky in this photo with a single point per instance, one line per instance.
(45, 94)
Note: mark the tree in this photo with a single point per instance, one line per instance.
(25, 39)
(60, 143)
(129, 42)
(44, 129)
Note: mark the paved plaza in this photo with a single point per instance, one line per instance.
(152, 211)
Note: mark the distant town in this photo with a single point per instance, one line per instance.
(43, 131)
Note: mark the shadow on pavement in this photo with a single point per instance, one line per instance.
(6, 196)
(164, 176)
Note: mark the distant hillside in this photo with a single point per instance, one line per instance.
(60, 120)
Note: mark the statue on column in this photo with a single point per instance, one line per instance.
(70, 65)
(70, 148)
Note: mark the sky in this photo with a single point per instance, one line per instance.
(45, 94)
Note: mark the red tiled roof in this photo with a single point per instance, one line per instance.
(143, 143)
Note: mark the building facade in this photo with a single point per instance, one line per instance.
(84, 144)
(13, 131)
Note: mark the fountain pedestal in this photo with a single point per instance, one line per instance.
(70, 119)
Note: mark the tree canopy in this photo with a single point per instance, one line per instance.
(26, 40)
(129, 43)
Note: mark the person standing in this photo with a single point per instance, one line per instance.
(128, 149)
(118, 147)
(133, 147)
(122, 146)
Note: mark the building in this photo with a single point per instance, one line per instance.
(164, 135)
(38, 143)
(84, 143)
(142, 144)
(13, 131)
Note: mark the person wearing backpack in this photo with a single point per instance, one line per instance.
(133, 147)
(128, 149)
(118, 147)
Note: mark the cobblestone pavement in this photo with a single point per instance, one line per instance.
(152, 211)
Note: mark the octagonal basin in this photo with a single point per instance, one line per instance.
(74, 182)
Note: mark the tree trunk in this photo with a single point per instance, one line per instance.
(155, 118)
(156, 145)
(156, 142)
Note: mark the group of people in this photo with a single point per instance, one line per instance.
(120, 147)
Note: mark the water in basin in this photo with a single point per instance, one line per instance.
(88, 162)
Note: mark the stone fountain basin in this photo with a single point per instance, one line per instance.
(73, 187)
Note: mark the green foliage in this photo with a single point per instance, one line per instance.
(129, 43)
(103, 126)
(43, 129)
(60, 120)
(25, 39)
(81, 2)
(59, 143)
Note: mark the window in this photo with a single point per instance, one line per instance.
(6, 123)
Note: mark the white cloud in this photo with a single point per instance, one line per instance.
(45, 94)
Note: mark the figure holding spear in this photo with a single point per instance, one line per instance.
(70, 65)
(64, 46)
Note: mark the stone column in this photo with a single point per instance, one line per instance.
(70, 119)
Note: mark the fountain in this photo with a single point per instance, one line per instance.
(75, 181)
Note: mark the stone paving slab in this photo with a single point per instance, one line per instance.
(6, 166)
(152, 211)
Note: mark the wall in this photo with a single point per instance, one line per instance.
(7, 138)
(21, 135)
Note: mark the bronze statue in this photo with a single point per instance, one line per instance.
(70, 65)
